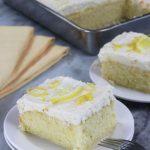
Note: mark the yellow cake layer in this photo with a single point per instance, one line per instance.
(127, 76)
(99, 16)
(69, 136)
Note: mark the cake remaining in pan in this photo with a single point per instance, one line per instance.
(137, 8)
(70, 113)
(98, 14)
(125, 61)
(95, 14)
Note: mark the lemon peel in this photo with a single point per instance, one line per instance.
(42, 92)
(88, 96)
(92, 86)
(67, 98)
(138, 44)
(80, 94)
(54, 84)
(133, 46)
(144, 44)
(117, 46)
(84, 98)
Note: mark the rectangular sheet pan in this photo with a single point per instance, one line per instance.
(89, 41)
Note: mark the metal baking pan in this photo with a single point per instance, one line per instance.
(89, 41)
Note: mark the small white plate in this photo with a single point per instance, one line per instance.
(120, 92)
(24, 141)
(12, 148)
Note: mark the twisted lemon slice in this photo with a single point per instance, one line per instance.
(133, 46)
(86, 97)
(68, 97)
(92, 86)
(80, 94)
(38, 92)
(144, 44)
(117, 46)
(138, 44)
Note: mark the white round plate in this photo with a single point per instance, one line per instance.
(24, 141)
(120, 92)
(12, 148)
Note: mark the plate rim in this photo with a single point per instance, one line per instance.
(96, 62)
(7, 141)
(130, 137)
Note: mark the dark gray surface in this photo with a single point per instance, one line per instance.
(76, 65)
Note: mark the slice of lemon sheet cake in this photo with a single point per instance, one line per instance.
(125, 61)
(69, 113)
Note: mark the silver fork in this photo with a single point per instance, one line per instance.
(120, 144)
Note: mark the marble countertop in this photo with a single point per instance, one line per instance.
(76, 65)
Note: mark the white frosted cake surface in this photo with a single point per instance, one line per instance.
(125, 55)
(66, 7)
(143, 4)
(68, 112)
(143, 1)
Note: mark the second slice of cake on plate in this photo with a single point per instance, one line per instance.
(125, 61)
(69, 113)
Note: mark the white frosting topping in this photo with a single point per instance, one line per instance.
(142, 1)
(140, 4)
(68, 112)
(66, 7)
(123, 54)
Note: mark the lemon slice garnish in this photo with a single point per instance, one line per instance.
(133, 45)
(138, 44)
(67, 98)
(80, 94)
(144, 44)
(84, 98)
(37, 92)
(117, 46)
(92, 86)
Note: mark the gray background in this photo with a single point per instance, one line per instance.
(76, 65)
